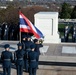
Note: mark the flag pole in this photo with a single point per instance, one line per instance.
(19, 28)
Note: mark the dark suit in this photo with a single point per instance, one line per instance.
(18, 57)
(33, 58)
(6, 58)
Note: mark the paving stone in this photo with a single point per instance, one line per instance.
(54, 53)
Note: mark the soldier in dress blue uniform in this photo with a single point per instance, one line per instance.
(74, 34)
(7, 59)
(18, 58)
(27, 44)
(37, 46)
(24, 39)
(33, 59)
(11, 32)
(66, 33)
(4, 35)
(26, 64)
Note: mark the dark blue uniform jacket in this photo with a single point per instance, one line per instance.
(37, 46)
(6, 58)
(18, 57)
(33, 58)
(28, 44)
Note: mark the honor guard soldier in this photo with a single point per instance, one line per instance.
(4, 31)
(18, 58)
(26, 63)
(27, 44)
(24, 38)
(7, 59)
(66, 33)
(74, 34)
(37, 46)
(33, 59)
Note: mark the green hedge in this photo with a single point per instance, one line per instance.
(61, 28)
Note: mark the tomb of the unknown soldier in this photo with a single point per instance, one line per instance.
(56, 57)
(47, 22)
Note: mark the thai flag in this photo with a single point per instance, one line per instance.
(27, 26)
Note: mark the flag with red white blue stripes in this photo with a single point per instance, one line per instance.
(27, 26)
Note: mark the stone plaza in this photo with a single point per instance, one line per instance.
(55, 59)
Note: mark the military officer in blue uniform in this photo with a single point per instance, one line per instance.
(7, 59)
(27, 44)
(24, 39)
(33, 59)
(37, 46)
(18, 58)
(26, 63)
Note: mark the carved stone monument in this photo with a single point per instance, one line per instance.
(47, 22)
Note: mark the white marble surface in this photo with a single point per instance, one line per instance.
(70, 50)
(44, 49)
(13, 47)
(47, 23)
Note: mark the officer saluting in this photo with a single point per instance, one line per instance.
(18, 57)
(27, 50)
(37, 46)
(28, 42)
(6, 58)
(33, 58)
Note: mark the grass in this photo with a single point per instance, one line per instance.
(61, 28)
